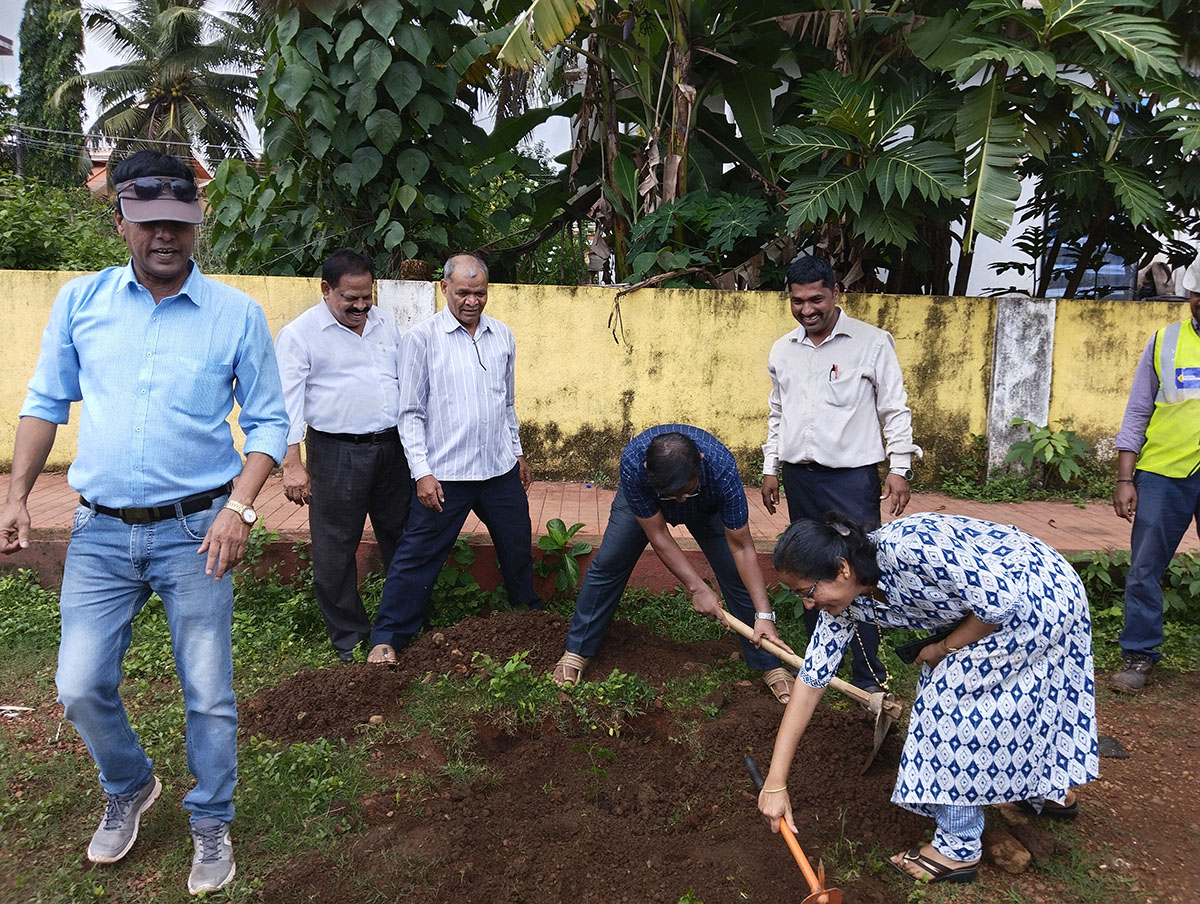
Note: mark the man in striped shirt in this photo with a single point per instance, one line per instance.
(458, 426)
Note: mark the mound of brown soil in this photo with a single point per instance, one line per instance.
(663, 809)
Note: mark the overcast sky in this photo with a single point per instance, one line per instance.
(95, 55)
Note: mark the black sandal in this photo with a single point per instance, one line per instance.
(938, 872)
(1052, 810)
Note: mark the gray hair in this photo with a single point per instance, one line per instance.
(450, 266)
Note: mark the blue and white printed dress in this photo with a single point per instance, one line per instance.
(1009, 717)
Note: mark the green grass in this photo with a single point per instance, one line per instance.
(289, 795)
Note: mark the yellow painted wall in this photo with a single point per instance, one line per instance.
(694, 356)
(1096, 348)
(25, 301)
(699, 357)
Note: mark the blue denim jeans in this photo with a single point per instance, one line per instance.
(110, 571)
(427, 541)
(1165, 509)
(623, 543)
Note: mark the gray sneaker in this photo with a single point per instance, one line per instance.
(1136, 670)
(212, 866)
(119, 826)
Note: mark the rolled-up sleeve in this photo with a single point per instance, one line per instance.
(55, 383)
(263, 417)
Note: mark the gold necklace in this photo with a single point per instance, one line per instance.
(887, 676)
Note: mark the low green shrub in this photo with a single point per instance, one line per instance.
(28, 611)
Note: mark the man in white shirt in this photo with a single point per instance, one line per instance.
(459, 427)
(339, 362)
(835, 383)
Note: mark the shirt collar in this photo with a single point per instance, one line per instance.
(843, 327)
(326, 319)
(192, 289)
(450, 322)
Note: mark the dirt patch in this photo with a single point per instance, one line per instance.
(1142, 813)
(672, 810)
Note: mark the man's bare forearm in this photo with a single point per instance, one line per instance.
(35, 439)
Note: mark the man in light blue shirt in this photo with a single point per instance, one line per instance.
(339, 362)
(157, 354)
(458, 425)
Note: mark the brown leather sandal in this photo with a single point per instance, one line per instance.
(776, 676)
(570, 662)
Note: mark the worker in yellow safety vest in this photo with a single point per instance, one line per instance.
(1158, 479)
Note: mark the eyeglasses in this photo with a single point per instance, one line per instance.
(811, 591)
(677, 496)
(147, 188)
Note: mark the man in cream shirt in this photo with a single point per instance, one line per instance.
(835, 383)
(339, 362)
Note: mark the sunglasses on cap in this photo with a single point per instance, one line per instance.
(148, 188)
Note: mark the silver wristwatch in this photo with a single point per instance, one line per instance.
(766, 616)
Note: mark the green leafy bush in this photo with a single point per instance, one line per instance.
(1049, 452)
(28, 611)
(289, 789)
(1104, 574)
(700, 229)
(47, 228)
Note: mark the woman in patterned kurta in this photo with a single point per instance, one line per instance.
(1005, 707)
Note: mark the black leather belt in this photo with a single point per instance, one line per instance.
(188, 506)
(391, 434)
(812, 466)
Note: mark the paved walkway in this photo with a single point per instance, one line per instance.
(1065, 526)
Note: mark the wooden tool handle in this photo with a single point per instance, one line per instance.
(891, 707)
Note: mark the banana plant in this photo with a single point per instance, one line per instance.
(1020, 65)
(647, 132)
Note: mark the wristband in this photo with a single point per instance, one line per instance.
(1124, 480)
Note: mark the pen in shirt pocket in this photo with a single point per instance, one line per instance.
(833, 372)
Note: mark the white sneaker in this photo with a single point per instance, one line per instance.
(118, 828)
(212, 865)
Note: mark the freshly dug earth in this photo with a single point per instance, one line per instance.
(663, 809)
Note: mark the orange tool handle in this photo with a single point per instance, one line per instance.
(788, 835)
(798, 854)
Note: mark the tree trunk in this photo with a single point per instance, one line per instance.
(966, 258)
(1096, 235)
(1047, 273)
(683, 100)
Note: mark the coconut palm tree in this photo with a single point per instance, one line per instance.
(186, 81)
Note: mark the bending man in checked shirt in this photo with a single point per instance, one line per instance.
(677, 474)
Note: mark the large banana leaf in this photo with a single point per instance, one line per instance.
(995, 144)
(547, 21)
